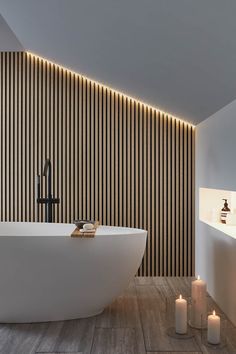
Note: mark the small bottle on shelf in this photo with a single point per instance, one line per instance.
(224, 212)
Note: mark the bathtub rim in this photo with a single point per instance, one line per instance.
(114, 230)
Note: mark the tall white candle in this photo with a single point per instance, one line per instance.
(180, 315)
(199, 305)
(213, 329)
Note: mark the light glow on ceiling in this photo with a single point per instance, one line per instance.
(115, 91)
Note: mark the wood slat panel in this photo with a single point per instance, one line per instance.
(114, 159)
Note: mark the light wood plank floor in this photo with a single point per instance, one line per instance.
(134, 324)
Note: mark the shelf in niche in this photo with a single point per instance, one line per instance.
(229, 230)
(210, 205)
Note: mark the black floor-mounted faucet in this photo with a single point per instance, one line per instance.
(49, 200)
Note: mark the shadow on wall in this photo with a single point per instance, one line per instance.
(223, 280)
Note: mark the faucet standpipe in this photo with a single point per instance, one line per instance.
(49, 200)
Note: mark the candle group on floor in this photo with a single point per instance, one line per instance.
(198, 313)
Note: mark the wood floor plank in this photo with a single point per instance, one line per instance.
(162, 287)
(140, 345)
(68, 336)
(22, 338)
(4, 335)
(123, 312)
(173, 352)
(143, 281)
(114, 341)
(154, 323)
(50, 337)
(160, 282)
(180, 285)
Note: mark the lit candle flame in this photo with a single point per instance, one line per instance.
(198, 277)
(180, 297)
(214, 313)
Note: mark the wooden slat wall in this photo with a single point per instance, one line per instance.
(114, 159)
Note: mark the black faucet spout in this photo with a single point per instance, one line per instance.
(47, 172)
(47, 167)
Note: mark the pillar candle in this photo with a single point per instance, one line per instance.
(199, 305)
(181, 315)
(213, 329)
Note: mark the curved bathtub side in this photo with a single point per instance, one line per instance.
(58, 278)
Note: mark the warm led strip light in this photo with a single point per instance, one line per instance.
(109, 88)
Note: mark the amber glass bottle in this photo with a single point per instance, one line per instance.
(224, 212)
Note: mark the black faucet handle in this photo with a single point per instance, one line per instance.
(48, 200)
(42, 200)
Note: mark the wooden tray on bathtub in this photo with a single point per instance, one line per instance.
(78, 233)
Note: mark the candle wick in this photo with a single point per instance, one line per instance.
(180, 297)
(198, 277)
(214, 313)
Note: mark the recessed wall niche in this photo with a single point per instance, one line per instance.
(114, 159)
(210, 204)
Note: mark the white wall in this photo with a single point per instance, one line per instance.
(216, 168)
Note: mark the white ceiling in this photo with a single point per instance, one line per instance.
(179, 55)
(8, 40)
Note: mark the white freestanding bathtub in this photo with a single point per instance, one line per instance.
(46, 275)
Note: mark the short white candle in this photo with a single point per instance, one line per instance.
(213, 329)
(198, 302)
(180, 315)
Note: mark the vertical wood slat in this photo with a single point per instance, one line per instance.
(114, 159)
